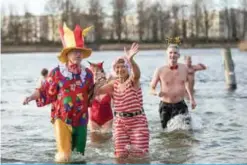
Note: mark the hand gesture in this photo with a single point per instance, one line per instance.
(132, 52)
(153, 92)
(27, 100)
(193, 104)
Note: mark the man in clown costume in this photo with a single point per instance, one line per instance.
(67, 88)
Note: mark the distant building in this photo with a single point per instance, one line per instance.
(48, 29)
(217, 27)
(220, 27)
(130, 31)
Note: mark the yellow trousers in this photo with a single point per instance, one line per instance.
(63, 134)
(69, 138)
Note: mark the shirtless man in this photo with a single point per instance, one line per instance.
(192, 69)
(174, 81)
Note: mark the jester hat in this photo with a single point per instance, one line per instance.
(73, 40)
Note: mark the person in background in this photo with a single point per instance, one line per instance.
(42, 79)
(100, 112)
(192, 69)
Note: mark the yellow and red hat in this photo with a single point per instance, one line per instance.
(73, 40)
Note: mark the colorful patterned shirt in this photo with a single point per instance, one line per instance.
(68, 94)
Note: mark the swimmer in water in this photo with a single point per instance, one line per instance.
(192, 69)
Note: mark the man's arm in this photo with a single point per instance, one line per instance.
(189, 90)
(199, 67)
(34, 96)
(154, 82)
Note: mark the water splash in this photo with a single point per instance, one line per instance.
(77, 157)
(184, 122)
(196, 122)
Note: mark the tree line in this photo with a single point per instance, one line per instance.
(155, 20)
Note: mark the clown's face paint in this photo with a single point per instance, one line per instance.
(75, 56)
(173, 55)
(121, 69)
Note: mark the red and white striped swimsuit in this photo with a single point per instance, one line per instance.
(129, 131)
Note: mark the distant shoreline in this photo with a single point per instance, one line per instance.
(7, 49)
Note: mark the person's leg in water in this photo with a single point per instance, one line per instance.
(79, 137)
(165, 114)
(93, 126)
(121, 139)
(139, 137)
(168, 111)
(181, 108)
(138, 144)
(63, 139)
(107, 127)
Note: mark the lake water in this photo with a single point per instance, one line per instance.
(219, 121)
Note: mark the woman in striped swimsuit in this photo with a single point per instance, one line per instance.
(131, 133)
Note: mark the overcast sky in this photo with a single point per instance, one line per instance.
(37, 6)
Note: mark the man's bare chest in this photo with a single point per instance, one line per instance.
(173, 77)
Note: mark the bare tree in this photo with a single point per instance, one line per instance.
(163, 16)
(28, 24)
(96, 15)
(75, 15)
(175, 26)
(184, 20)
(197, 16)
(126, 27)
(243, 5)
(119, 10)
(233, 24)
(144, 12)
(141, 18)
(14, 26)
(69, 9)
(153, 18)
(65, 7)
(4, 25)
(208, 17)
(226, 18)
(53, 7)
(190, 22)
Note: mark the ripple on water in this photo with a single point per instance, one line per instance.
(225, 129)
(209, 113)
(219, 114)
(232, 139)
(235, 125)
(15, 161)
(4, 102)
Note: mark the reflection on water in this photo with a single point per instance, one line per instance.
(218, 126)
